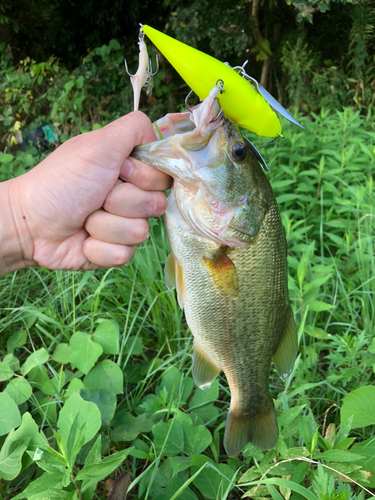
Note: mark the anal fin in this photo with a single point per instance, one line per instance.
(204, 371)
(223, 272)
(286, 353)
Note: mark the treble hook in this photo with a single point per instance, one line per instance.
(144, 74)
(141, 38)
(218, 116)
(186, 99)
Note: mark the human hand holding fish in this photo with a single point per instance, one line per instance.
(86, 205)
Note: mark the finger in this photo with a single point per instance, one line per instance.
(114, 229)
(119, 138)
(144, 176)
(105, 255)
(127, 200)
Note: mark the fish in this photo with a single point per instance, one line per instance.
(228, 263)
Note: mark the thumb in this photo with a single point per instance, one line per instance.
(112, 144)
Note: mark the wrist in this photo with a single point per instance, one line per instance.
(14, 235)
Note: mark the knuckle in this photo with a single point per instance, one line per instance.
(148, 179)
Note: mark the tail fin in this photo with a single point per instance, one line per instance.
(261, 430)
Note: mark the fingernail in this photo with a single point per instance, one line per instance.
(127, 169)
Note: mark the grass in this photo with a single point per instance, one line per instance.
(323, 178)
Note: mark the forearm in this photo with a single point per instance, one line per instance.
(13, 230)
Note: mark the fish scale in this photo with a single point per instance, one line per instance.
(228, 264)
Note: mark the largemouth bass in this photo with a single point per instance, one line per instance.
(228, 264)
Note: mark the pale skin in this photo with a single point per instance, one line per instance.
(86, 206)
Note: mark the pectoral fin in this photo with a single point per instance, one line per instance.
(223, 272)
(174, 279)
(170, 272)
(286, 353)
(203, 370)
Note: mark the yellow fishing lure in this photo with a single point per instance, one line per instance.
(240, 101)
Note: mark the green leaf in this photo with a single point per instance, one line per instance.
(214, 479)
(174, 484)
(19, 390)
(361, 405)
(276, 481)
(316, 332)
(85, 352)
(49, 459)
(179, 464)
(300, 472)
(288, 416)
(106, 375)
(202, 398)
(128, 427)
(107, 335)
(338, 456)
(169, 437)
(45, 487)
(367, 450)
(76, 439)
(174, 383)
(16, 340)
(343, 432)
(28, 431)
(37, 358)
(104, 468)
(62, 353)
(11, 458)
(10, 416)
(69, 85)
(106, 401)
(114, 45)
(75, 385)
(94, 456)
(79, 82)
(6, 158)
(196, 437)
(317, 306)
(89, 414)
(205, 413)
(133, 346)
(54, 385)
(12, 362)
(6, 372)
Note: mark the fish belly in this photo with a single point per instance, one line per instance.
(239, 333)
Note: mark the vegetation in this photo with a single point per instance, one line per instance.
(126, 414)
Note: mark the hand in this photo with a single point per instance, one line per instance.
(86, 205)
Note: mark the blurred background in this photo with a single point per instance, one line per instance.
(62, 61)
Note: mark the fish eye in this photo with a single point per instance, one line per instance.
(238, 151)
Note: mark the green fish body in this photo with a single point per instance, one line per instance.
(228, 264)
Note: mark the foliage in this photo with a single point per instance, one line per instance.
(96, 366)
(332, 42)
